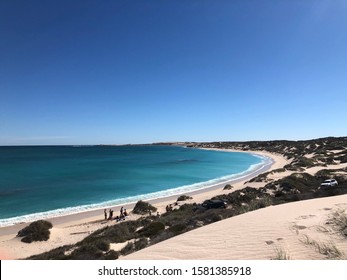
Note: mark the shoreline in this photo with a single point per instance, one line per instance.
(94, 215)
(270, 229)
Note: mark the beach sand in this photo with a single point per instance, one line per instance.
(263, 234)
(255, 229)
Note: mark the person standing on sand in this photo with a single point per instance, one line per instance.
(121, 211)
(105, 214)
(111, 214)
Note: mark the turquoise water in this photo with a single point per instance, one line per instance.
(45, 181)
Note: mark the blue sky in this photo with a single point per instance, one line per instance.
(117, 72)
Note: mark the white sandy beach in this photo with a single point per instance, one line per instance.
(241, 237)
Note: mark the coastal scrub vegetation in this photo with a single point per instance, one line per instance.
(184, 197)
(338, 221)
(150, 229)
(36, 231)
(228, 187)
(143, 207)
(306, 153)
(328, 249)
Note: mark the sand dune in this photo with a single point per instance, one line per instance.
(261, 234)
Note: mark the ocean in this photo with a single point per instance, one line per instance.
(38, 182)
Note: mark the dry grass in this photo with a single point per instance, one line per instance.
(327, 249)
(338, 221)
(280, 254)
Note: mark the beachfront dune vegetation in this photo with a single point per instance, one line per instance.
(143, 207)
(338, 220)
(150, 229)
(228, 187)
(306, 153)
(36, 231)
(184, 197)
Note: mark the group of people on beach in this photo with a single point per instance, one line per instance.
(123, 214)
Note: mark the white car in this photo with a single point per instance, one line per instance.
(329, 183)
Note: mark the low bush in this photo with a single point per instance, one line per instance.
(296, 183)
(303, 162)
(161, 236)
(178, 229)
(117, 233)
(152, 229)
(140, 243)
(211, 216)
(102, 245)
(143, 207)
(128, 249)
(228, 187)
(239, 197)
(111, 255)
(36, 231)
(184, 197)
(260, 203)
(342, 158)
(338, 221)
(260, 178)
(87, 252)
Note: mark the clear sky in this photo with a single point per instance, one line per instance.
(117, 72)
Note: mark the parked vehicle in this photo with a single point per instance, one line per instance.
(214, 203)
(329, 183)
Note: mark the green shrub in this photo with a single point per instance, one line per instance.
(260, 178)
(102, 245)
(117, 233)
(260, 203)
(184, 197)
(141, 243)
(342, 158)
(228, 187)
(303, 162)
(239, 197)
(161, 236)
(279, 170)
(152, 229)
(296, 183)
(111, 255)
(142, 208)
(211, 216)
(127, 249)
(36, 231)
(323, 174)
(178, 228)
(87, 252)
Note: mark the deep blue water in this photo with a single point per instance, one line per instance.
(43, 181)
